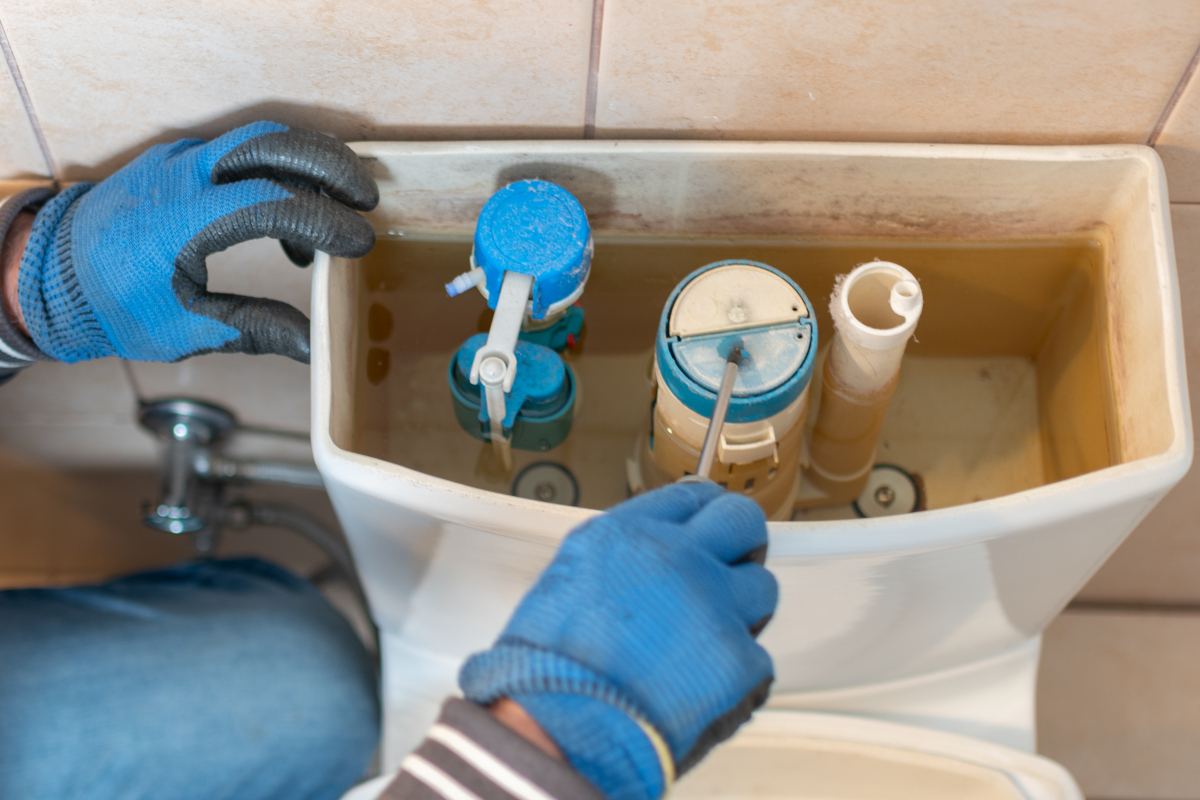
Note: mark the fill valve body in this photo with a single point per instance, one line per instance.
(531, 260)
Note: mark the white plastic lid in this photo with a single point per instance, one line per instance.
(734, 297)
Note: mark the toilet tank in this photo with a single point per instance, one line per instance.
(1043, 402)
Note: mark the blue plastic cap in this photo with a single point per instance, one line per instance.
(534, 228)
(777, 360)
(540, 389)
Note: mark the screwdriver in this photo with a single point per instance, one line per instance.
(708, 452)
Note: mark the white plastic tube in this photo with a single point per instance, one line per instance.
(875, 312)
(468, 280)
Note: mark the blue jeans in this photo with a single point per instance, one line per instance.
(218, 680)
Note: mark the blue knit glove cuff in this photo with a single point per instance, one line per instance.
(61, 321)
(592, 722)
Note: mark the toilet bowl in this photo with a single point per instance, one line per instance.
(1043, 403)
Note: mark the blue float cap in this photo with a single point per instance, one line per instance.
(534, 228)
(777, 356)
(540, 388)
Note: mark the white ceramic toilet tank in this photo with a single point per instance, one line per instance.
(1043, 401)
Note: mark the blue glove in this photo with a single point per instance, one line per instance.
(119, 269)
(635, 649)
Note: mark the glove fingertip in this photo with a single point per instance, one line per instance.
(227, 142)
(298, 253)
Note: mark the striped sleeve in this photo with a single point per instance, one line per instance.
(17, 350)
(469, 755)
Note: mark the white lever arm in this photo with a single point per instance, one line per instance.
(496, 363)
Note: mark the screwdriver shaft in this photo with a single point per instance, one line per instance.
(709, 451)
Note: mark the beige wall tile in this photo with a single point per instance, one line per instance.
(109, 78)
(1160, 561)
(1179, 146)
(1119, 702)
(82, 415)
(1027, 72)
(73, 415)
(20, 156)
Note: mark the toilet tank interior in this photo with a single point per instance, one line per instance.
(1039, 356)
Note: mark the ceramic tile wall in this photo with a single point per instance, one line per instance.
(365, 70)
(1027, 72)
(20, 156)
(1179, 143)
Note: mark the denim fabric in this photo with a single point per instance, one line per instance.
(217, 680)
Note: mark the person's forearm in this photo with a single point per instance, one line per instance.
(517, 719)
(10, 268)
(494, 753)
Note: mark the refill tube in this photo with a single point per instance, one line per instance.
(875, 311)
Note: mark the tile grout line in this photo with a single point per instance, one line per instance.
(593, 79)
(27, 102)
(1176, 96)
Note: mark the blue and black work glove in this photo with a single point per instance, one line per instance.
(635, 651)
(118, 268)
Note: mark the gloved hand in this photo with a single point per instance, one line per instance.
(118, 268)
(635, 649)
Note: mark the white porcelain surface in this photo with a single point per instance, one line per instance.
(863, 601)
(1160, 561)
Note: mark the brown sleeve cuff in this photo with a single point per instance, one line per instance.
(470, 750)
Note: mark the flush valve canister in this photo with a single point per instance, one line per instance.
(713, 312)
